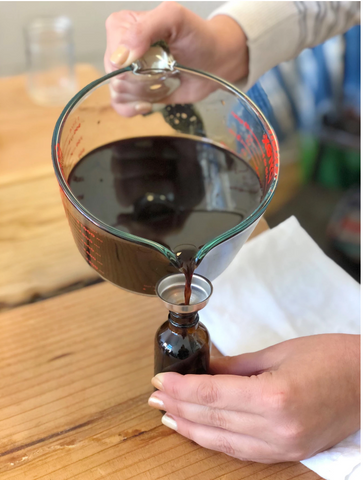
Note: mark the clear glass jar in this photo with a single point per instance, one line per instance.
(50, 60)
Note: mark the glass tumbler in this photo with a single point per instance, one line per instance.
(50, 60)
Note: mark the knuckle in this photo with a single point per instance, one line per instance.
(123, 110)
(111, 21)
(135, 32)
(174, 11)
(171, 7)
(297, 454)
(280, 399)
(223, 445)
(173, 390)
(124, 19)
(294, 431)
(190, 432)
(208, 393)
(293, 436)
(216, 418)
(179, 410)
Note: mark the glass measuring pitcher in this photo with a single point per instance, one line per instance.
(187, 180)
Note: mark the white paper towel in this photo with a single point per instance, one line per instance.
(281, 286)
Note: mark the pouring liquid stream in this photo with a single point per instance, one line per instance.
(174, 190)
(188, 268)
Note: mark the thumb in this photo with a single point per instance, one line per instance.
(130, 34)
(246, 364)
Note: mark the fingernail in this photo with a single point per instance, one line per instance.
(169, 422)
(120, 56)
(143, 107)
(157, 381)
(155, 402)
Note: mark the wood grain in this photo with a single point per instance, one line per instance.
(38, 257)
(75, 381)
(26, 128)
(38, 254)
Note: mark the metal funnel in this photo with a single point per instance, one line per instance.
(171, 290)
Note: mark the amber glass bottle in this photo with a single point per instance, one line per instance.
(182, 343)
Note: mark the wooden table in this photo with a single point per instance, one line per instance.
(76, 369)
(75, 380)
(37, 255)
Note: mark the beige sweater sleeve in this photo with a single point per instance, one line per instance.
(279, 31)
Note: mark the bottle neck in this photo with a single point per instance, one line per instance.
(183, 320)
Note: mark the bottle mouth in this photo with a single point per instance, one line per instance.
(171, 291)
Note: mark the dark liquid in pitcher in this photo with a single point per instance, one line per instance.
(177, 191)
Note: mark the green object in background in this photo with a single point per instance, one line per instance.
(309, 148)
(338, 168)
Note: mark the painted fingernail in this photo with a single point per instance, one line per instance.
(169, 422)
(155, 402)
(157, 381)
(143, 107)
(120, 56)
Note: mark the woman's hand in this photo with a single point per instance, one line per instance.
(217, 46)
(285, 403)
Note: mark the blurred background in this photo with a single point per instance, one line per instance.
(316, 112)
(88, 19)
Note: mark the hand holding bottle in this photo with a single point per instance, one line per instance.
(284, 403)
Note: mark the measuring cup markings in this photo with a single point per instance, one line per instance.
(90, 248)
(271, 150)
(75, 143)
(238, 137)
(60, 160)
(247, 126)
(252, 134)
(249, 142)
(275, 148)
(94, 266)
(267, 144)
(68, 133)
(254, 160)
(244, 152)
(90, 255)
(81, 153)
(79, 141)
(85, 232)
(73, 135)
(93, 258)
(88, 231)
(75, 147)
(70, 136)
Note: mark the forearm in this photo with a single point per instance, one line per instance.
(231, 56)
(279, 31)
